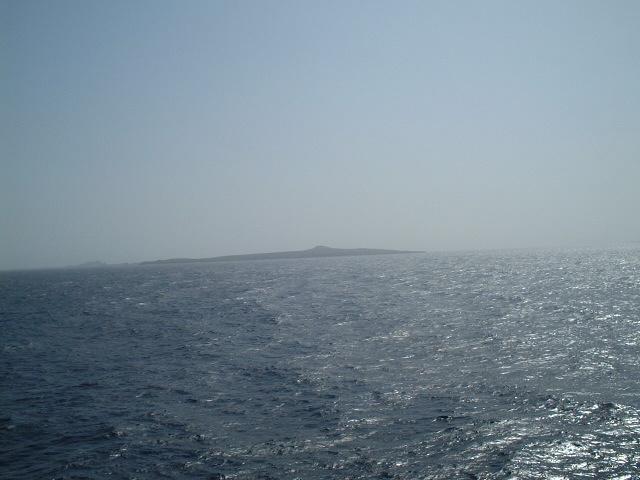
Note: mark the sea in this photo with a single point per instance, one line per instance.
(520, 364)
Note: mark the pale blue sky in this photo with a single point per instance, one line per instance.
(136, 130)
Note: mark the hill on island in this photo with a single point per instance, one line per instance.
(315, 252)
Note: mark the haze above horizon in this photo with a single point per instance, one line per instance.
(163, 129)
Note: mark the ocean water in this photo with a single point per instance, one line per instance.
(494, 365)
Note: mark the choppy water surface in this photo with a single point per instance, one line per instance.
(435, 366)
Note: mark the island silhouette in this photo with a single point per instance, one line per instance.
(315, 252)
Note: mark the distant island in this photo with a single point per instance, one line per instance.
(315, 252)
(93, 264)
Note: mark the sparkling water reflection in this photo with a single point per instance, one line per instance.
(437, 366)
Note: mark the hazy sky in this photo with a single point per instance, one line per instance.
(136, 130)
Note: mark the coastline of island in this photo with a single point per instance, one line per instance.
(319, 251)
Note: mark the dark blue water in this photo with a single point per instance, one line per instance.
(436, 366)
